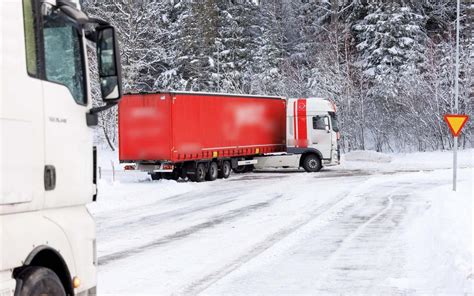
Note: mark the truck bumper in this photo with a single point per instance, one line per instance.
(335, 159)
(156, 168)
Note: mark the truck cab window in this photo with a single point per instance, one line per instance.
(318, 123)
(63, 57)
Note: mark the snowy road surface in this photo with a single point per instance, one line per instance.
(361, 228)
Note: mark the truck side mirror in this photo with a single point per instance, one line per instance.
(110, 70)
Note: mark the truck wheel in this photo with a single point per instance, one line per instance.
(312, 163)
(212, 172)
(155, 176)
(199, 174)
(225, 170)
(36, 281)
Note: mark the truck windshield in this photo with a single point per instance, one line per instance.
(334, 123)
(63, 56)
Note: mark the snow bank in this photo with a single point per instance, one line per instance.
(440, 239)
(417, 161)
(367, 155)
(116, 196)
(435, 159)
(119, 189)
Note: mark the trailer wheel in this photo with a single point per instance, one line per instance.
(312, 163)
(155, 176)
(199, 173)
(170, 176)
(212, 171)
(225, 170)
(36, 281)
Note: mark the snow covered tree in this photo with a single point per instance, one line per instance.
(141, 32)
(386, 64)
(270, 54)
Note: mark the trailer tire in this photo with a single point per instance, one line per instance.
(225, 170)
(170, 176)
(155, 176)
(36, 281)
(312, 163)
(199, 173)
(212, 172)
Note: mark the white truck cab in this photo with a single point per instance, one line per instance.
(312, 136)
(47, 163)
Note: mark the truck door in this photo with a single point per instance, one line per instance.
(321, 135)
(68, 153)
(21, 112)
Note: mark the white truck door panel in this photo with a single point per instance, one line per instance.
(16, 137)
(68, 146)
(320, 138)
(68, 141)
(21, 118)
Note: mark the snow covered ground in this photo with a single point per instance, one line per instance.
(377, 224)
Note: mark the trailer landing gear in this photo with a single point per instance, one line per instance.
(243, 169)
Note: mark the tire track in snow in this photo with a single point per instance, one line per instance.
(229, 216)
(325, 213)
(367, 236)
(322, 216)
(133, 219)
(357, 232)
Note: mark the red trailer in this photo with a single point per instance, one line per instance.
(198, 135)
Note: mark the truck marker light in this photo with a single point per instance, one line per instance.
(257, 151)
(76, 282)
(129, 167)
(168, 166)
(215, 154)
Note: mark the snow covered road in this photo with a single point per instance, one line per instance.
(344, 230)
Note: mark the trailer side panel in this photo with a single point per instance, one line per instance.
(193, 126)
(145, 127)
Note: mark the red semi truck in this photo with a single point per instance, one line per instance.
(203, 136)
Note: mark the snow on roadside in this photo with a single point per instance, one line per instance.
(416, 161)
(440, 239)
(119, 189)
(367, 155)
(115, 196)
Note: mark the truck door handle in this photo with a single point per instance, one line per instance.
(49, 177)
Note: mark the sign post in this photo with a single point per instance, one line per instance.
(456, 95)
(455, 122)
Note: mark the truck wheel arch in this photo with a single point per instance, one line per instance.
(308, 152)
(45, 256)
